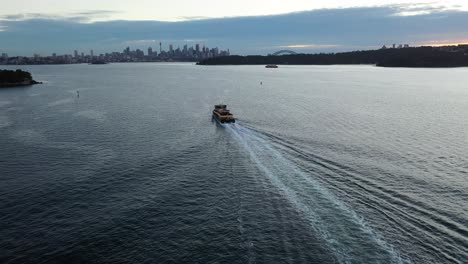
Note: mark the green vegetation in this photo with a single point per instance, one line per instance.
(405, 57)
(15, 78)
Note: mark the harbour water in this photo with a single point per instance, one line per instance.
(325, 164)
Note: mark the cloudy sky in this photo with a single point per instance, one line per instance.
(244, 26)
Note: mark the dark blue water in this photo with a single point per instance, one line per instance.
(335, 164)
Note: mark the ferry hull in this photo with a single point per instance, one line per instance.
(223, 120)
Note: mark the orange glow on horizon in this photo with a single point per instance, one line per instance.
(441, 43)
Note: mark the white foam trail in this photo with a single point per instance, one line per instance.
(336, 223)
(60, 102)
(92, 114)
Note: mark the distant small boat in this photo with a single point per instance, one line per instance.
(222, 114)
(98, 62)
(274, 66)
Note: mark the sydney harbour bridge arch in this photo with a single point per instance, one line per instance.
(284, 52)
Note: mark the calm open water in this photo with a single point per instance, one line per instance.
(326, 164)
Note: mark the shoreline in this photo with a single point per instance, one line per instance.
(338, 64)
(16, 78)
(248, 64)
(20, 84)
(418, 57)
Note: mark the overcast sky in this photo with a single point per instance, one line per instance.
(244, 26)
(166, 10)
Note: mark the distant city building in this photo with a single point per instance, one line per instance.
(394, 46)
(127, 51)
(139, 53)
(187, 53)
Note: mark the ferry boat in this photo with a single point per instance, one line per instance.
(274, 66)
(222, 114)
(98, 62)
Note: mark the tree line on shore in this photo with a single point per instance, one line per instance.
(15, 77)
(405, 57)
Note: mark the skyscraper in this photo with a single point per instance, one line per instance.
(91, 53)
(75, 54)
(139, 53)
(150, 51)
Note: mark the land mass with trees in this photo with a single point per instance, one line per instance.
(10, 78)
(422, 57)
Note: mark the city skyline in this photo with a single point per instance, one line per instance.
(156, 54)
(166, 48)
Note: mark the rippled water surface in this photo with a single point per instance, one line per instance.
(329, 164)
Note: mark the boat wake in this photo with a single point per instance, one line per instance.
(347, 234)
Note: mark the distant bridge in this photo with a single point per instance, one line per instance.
(283, 52)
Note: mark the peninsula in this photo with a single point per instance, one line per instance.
(418, 57)
(9, 78)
